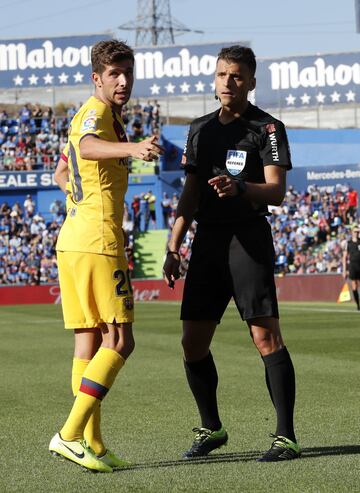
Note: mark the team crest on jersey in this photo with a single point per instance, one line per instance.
(235, 161)
(88, 124)
(129, 303)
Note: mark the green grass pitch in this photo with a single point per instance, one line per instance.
(149, 413)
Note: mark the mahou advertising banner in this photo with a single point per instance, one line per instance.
(183, 70)
(47, 62)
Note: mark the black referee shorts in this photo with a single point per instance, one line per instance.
(231, 261)
(354, 271)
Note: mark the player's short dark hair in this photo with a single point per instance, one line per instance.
(109, 52)
(239, 54)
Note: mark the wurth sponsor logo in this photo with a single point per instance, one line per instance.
(274, 147)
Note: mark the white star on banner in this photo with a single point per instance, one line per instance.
(335, 97)
(212, 86)
(290, 99)
(33, 80)
(320, 97)
(170, 88)
(155, 89)
(48, 78)
(305, 98)
(200, 86)
(63, 78)
(78, 77)
(18, 80)
(350, 96)
(184, 87)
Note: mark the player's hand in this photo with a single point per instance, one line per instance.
(148, 149)
(345, 274)
(224, 186)
(171, 269)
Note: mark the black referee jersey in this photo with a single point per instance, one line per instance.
(239, 149)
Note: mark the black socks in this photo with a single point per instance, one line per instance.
(203, 379)
(356, 297)
(280, 380)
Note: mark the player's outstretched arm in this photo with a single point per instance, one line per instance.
(94, 149)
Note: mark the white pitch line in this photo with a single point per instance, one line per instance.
(326, 310)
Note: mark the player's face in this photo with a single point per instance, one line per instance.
(114, 85)
(233, 81)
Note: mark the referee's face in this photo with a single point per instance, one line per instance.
(233, 81)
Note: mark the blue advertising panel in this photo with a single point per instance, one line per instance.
(325, 177)
(23, 180)
(305, 81)
(47, 62)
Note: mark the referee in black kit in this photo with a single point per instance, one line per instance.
(351, 263)
(235, 161)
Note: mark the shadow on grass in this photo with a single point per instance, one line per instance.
(244, 457)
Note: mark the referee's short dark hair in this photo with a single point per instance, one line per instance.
(239, 54)
(108, 52)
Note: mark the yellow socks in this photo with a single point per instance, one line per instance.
(92, 431)
(97, 379)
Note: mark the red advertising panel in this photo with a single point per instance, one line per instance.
(289, 288)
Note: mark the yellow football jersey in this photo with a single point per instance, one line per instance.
(95, 203)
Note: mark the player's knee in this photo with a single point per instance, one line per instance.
(266, 342)
(125, 347)
(193, 352)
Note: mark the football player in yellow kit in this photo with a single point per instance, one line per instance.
(95, 285)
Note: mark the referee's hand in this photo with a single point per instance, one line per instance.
(171, 269)
(224, 186)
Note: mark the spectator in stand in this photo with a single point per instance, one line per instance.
(352, 204)
(135, 207)
(174, 201)
(37, 114)
(25, 114)
(144, 213)
(48, 118)
(166, 209)
(70, 113)
(156, 115)
(148, 118)
(151, 200)
(29, 206)
(57, 209)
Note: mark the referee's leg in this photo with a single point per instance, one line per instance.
(279, 371)
(200, 369)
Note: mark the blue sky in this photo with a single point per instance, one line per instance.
(275, 28)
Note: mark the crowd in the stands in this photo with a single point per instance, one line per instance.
(28, 241)
(34, 138)
(310, 231)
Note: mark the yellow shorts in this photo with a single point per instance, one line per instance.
(95, 289)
